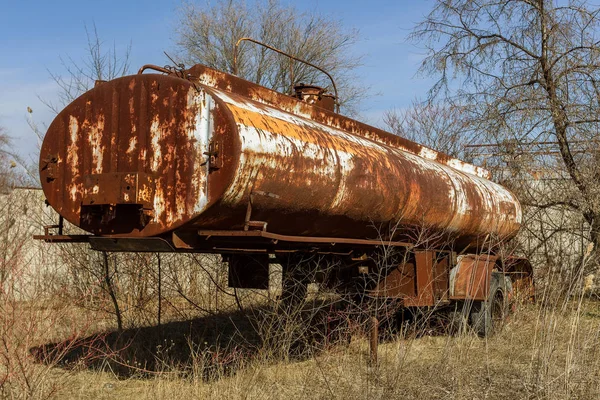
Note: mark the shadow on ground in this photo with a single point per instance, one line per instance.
(216, 345)
(175, 345)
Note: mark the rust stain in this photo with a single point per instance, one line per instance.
(470, 278)
(229, 83)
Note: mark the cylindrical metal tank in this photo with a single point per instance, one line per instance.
(150, 154)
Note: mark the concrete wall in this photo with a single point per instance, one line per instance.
(25, 264)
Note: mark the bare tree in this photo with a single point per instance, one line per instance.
(530, 70)
(442, 127)
(99, 63)
(208, 34)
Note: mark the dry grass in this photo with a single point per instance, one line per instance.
(543, 352)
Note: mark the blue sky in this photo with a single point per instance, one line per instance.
(35, 34)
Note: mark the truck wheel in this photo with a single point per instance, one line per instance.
(488, 317)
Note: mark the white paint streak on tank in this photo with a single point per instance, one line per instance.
(73, 155)
(462, 207)
(261, 148)
(73, 149)
(469, 168)
(346, 165)
(276, 114)
(155, 136)
(155, 165)
(95, 137)
(210, 80)
(159, 201)
(201, 133)
(73, 192)
(428, 153)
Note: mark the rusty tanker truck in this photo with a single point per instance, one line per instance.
(198, 160)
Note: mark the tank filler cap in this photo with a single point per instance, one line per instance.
(314, 95)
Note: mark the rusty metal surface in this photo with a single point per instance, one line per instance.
(342, 178)
(232, 84)
(302, 239)
(63, 238)
(441, 278)
(470, 278)
(424, 261)
(137, 141)
(419, 283)
(399, 283)
(151, 154)
(315, 95)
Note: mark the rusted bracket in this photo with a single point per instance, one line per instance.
(155, 68)
(58, 226)
(50, 164)
(48, 236)
(470, 278)
(63, 238)
(247, 222)
(301, 239)
(213, 160)
(167, 69)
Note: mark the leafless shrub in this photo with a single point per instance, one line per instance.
(29, 312)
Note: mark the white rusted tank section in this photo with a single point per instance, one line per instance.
(312, 166)
(197, 135)
(264, 96)
(201, 134)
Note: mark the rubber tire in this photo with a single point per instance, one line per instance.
(488, 317)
